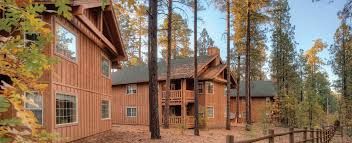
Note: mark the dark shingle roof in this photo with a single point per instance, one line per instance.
(260, 88)
(180, 68)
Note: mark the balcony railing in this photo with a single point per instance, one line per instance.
(178, 120)
(177, 96)
(174, 94)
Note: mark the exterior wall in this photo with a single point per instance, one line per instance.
(218, 101)
(259, 105)
(83, 79)
(121, 101)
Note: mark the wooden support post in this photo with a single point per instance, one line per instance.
(292, 137)
(230, 139)
(305, 135)
(312, 135)
(271, 133)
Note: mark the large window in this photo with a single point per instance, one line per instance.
(65, 43)
(131, 112)
(210, 111)
(105, 109)
(35, 105)
(105, 67)
(131, 89)
(210, 87)
(66, 109)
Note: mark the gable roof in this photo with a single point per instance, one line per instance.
(180, 68)
(260, 88)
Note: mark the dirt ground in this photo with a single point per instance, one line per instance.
(140, 134)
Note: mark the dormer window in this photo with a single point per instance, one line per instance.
(131, 89)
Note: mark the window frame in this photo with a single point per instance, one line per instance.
(132, 85)
(56, 23)
(101, 109)
(207, 85)
(213, 112)
(101, 66)
(200, 84)
(25, 94)
(77, 110)
(131, 107)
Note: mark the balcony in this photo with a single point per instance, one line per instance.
(177, 121)
(177, 96)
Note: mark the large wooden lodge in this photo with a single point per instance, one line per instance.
(84, 98)
(130, 92)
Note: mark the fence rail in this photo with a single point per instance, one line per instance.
(315, 136)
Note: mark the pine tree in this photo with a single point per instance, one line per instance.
(204, 42)
(180, 41)
(196, 102)
(153, 69)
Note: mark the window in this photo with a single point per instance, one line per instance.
(66, 109)
(30, 38)
(131, 89)
(200, 87)
(210, 111)
(105, 109)
(105, 67)
(172, 86)
(131, 112)
(65, 43)
(37, 106)
(210, 87)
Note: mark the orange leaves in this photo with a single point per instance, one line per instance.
(312, 53)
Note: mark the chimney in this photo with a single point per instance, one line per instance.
(213, 51)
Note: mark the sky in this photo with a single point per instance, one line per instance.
(311, 21)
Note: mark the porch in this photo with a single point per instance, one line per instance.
(178, 121)
(180, 115)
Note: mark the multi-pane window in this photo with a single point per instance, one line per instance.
(210, 112)
(35, 105)
(131, 89)
(66, 108)
(30, 38)
(105, 67)
(200, 87)
(210, 87)
(65, 43)
(131, 112)
(105, 109)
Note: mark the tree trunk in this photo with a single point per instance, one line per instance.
(196, 114)
(247, 75)
(228, 127)
(140, 60)
(167, 101)
(153, 67)
(238, 86)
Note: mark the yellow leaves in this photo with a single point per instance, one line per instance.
(312, 53)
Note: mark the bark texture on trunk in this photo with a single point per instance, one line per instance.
(196, 117)
(228, 126)
(238, 87)
(167, 100)
(247, 75)
(153, 67)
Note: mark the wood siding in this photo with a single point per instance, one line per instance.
(83, 79)
(217, 100)
(259, 105)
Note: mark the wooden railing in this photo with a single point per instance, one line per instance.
(174, 120)
(315, 136)
(174, 94)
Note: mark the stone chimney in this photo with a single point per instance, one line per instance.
(213, 51)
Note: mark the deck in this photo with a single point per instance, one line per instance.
(177, 121)
(177, 97)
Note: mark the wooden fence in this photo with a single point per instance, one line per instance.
(315, 136)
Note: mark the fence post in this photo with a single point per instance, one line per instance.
(341, 133)
(230, 139)
(305, 135)
(312, 135)
(324, 135)
(321, 135)
(271, 133)
(292, 138)
(317, 135)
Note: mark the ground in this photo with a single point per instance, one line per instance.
(140, 134)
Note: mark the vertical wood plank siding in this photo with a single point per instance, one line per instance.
(83, 79)
(218, 101)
